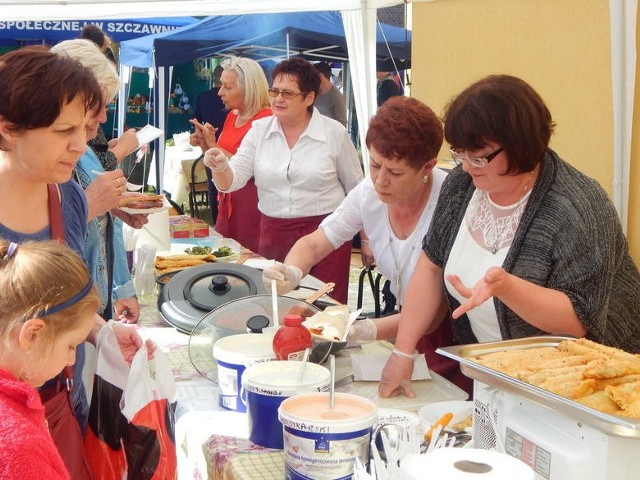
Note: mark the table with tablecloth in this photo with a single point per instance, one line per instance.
(211, 442)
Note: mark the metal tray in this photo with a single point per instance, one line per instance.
(621, 426)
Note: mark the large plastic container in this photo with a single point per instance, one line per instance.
(322, 443)
(267, 385)
(233, 354)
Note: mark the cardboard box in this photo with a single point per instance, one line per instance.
(184, 226)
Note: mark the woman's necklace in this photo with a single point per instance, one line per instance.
(505, 226)
(399, 267)
(510, 223)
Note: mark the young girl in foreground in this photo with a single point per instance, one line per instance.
(47, 307)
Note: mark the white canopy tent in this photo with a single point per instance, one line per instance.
(359, 20)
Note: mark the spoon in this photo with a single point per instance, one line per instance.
(305, 359)
(274, 302)
(131, 187)
(332, 388)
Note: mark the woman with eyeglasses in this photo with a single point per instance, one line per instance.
(523, 243)
(303, 163)
(243, 91)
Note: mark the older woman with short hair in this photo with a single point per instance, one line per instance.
(243, 91)
(521, 243)
(303, 163)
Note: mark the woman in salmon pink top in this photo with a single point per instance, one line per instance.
(244, 93)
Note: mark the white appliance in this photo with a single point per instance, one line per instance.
(555, 445)
(559, 438)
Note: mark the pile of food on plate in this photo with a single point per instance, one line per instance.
(142, 202)
(192, 256)
(598, 376)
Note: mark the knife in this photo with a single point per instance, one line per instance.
(344, 381)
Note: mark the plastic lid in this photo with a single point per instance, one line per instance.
(257, 323)
(292, 320)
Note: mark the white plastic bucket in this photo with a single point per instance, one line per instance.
(265, 387)
(320, 443)
(233, 354)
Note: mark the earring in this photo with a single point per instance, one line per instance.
(425, 179)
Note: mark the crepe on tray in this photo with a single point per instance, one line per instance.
(598, 376)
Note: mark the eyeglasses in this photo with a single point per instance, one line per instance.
(479, 162)
(286, 94)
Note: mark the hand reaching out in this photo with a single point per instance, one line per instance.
(287, 277)
(127, 310)
(104, 192)
(483, 290)
(130, 341)
(216, 160)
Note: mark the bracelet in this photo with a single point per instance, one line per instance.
(405, 355)
(364, 241)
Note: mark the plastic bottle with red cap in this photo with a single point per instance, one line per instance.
(291, 339)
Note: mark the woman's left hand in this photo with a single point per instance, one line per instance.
(130, 341)
(487, 287)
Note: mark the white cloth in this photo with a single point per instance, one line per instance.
(362, 209)
(308, 180)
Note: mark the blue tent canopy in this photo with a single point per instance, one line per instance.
(53, 31)
(314, 35)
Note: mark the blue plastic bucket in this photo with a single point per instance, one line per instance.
(267, 385)
(233, 354)
(322, 444)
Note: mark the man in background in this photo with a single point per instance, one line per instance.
(330, 102)
(209, 106)
(387, 87)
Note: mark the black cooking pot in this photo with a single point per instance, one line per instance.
(193, 292)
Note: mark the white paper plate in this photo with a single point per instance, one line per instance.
(433, 412)
(177, 248)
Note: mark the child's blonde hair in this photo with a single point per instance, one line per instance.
(36, 279)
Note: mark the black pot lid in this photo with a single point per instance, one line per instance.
(193, 292)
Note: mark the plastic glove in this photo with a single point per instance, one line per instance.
(216, 160)
(396, 377)
(287, 277)
(363, 330)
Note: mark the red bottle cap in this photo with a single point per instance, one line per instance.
(292, 320)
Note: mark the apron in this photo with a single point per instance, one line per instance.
(277, 236)
(239, 217)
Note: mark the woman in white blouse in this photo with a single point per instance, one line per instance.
(392, 210)
(303, 163)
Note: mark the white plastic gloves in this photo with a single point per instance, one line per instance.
(287, 277)
(364, 330)
(216, 160)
